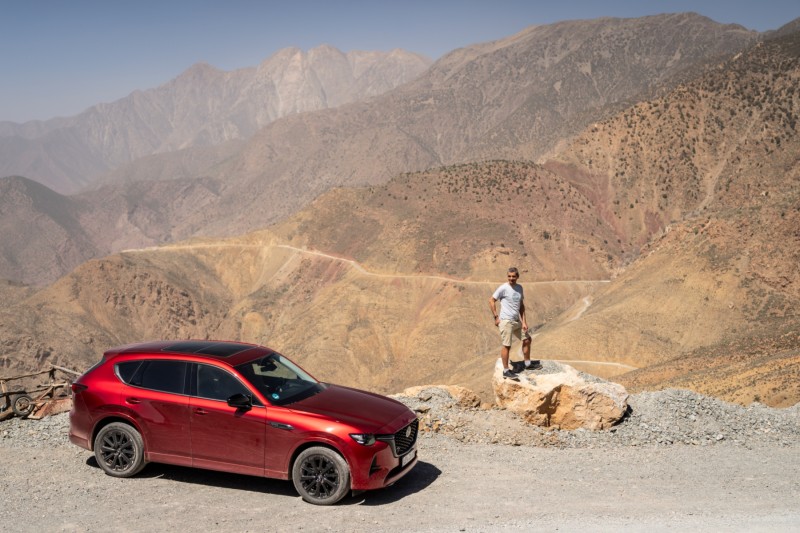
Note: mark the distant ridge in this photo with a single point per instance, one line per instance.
(517, 98)
(42, 232)
(202, 106)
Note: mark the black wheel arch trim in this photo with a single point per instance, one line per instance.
(310, 444)
(110, 419)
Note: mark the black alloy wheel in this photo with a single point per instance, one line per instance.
(119, 450)
(321, 476)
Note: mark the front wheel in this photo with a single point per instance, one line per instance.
(119, 450)
(321, 476)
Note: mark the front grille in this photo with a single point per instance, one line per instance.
(403, 440)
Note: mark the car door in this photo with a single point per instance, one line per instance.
(224, 437)
(157, 398)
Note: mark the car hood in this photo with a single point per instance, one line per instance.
(371, 413)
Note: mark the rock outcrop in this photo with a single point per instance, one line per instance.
(558, 396)
(461, 396)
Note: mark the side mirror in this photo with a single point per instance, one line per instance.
(240, 401)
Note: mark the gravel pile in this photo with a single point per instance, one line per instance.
(660, 418)
(685, 417)
(663, 418)
(49, 432)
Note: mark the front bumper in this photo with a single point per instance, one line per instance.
(383, 470)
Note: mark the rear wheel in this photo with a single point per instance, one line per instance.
(321, 476)
(119, 450)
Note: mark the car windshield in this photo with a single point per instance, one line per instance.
(279, 380)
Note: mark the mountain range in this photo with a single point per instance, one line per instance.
(203, 106)
(642, 173)
(511, 99)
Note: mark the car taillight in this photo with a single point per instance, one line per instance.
(77, 387)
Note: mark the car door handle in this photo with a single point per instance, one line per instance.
(200, 411)
(278, 425)
(134, 401)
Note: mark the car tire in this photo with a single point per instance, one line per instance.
(22, 405)
(119, 450)
(321, 476)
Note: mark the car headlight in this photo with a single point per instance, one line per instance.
(365, 439)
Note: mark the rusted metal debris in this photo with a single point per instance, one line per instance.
(39, 399)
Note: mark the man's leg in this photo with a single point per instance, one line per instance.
(505, 329)
(526, 353)
(507, 372)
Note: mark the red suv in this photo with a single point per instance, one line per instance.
(239, 408)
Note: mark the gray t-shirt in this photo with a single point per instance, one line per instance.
(510, 299)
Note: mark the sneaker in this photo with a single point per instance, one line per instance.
(510, 375)
(519, 366)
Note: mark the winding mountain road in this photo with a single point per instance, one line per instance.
(354, 264)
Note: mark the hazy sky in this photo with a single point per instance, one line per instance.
(58, 57)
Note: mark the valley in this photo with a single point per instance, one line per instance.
(651, 202)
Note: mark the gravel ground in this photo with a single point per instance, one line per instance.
(679, 461)
(660, 418)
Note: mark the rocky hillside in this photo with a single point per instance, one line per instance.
(203, 106)
(712, 302)
(46, 234)
(41, 232)
(382, 330)
(466, 221)
(513, 99)
(510, 99)
(658, 245)
(727, 140)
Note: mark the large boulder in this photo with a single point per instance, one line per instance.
(556, 395)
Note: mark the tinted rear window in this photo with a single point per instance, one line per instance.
(165, 376)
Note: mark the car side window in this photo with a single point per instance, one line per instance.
(127, 370)
(215, 383)
(165, 376)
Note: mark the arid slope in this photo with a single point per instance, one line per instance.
(382, 331)
(706, 183)
(687, 203)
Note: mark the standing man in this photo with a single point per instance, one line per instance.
(511, 320)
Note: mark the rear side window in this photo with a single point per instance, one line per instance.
(127, 370)
(164, 376)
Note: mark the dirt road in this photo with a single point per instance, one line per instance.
(456, 487)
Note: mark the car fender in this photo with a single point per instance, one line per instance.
(116, 416)
(316, 439)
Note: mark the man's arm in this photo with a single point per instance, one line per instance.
(522, 316)
(493, 307)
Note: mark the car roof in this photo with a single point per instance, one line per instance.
(229, 352)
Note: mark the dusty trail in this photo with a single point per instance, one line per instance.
(601, 363)
(352, 263)
(355, 265)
